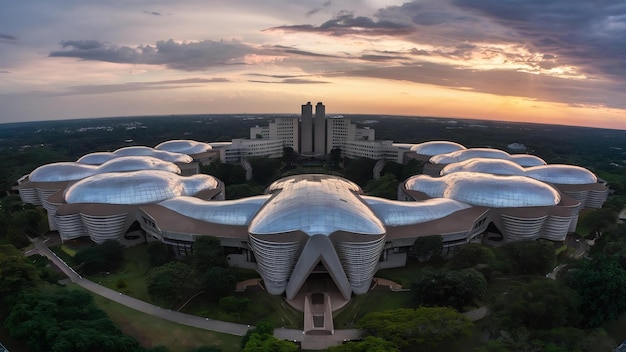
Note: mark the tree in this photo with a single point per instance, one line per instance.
(158, 253)
(171, 282)
(469, 256)
(424, 326)
(233, 304)
(15, 273)
(243, 190)
(601, 284)
(207, 253)
(219, 281)
(426, 247)
(449, 288)
(108, 256)
(368, 344)
(268, 343)
(385, 187)
(532, 257)
(541, 304)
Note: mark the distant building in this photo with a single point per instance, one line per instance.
(284, 129)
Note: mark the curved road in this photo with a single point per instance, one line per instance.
(308, 341)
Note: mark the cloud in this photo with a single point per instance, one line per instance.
(154, 13)
(318, 9)
(140, 86)
(186, 56)
(8, 39)
(285, 79)
(5, 71)
(346, 24)
(588, 35)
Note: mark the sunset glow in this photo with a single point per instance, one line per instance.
(549, 62)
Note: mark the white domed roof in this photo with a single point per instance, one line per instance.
(184, 146)
(160, 154)
(228, 212)
(316, 205)
(527, 160)
(398, 213)
(486, 190)
(462, 155)
(137, 187)
(487, 166)
(135, 163)
(436, 147)
(63, 171)
(96, 158)
(562, 174)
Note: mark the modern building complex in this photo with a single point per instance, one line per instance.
(314, 136)
(311, 231)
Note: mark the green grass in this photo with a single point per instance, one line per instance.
(151, 331)
(406, 275)
(376, 300)
(264, 307)
(130, 279)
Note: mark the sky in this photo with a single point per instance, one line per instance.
(545, 61)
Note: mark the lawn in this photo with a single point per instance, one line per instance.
(378, 299)
(264, 307)
(151, 331)
(130, 279)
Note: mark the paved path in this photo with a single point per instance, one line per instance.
(173, 316)
(312, 342)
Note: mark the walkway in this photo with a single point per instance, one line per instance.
(310, 342)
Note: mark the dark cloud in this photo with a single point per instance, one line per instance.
(318, 9)
(7, 38)
(347, 24)
(501, 82)
(381, 58)
(581, 33)
(141, 86)
(276, 76)
(154, 13)
(194, 56)
(5, 71)
(82, 44)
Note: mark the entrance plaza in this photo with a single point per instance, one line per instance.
(315, 239)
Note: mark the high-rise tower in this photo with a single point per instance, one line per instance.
(319, 135)
(306, 132)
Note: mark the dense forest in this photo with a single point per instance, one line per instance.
(578, 308)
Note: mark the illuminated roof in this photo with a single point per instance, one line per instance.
(135, 163)
(554, 173)
(315, 204)
(562, 174)
(396, 213)
(102, 157)
(488, 166)
(72, 171)
(486, 190)
(64, 171)
(527, 160)
(436, 147)
(136, 187)
(184, 146)
(228, 212)
(461, 155)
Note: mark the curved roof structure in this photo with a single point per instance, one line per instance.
(524, 160)
(436, 147)
(135, 163)
(185, 146)
(286, 182)
(527, 160)
(315, 204)
(136, 187)
(102, 157)
(462, 155)
(395, 213)
(554, 173)
(487, 166)
(486, 190)
(562, 174)
(96, 158)
(63, 171)
(228, 212)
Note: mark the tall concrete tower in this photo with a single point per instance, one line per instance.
(306, 131)
(319, 136)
